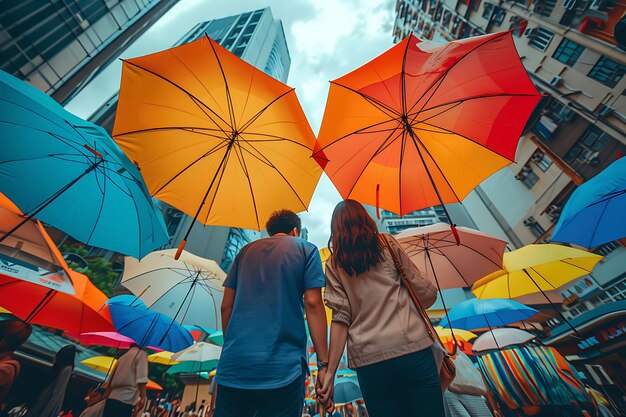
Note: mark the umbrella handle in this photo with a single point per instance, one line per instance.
(456, 234)
(179, 251)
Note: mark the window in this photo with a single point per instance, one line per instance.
(534, 226)
(568, 52)
(498, 16)
(607, 72)
(541, 39)
(588, 147)
(541, 160)
(527, 176)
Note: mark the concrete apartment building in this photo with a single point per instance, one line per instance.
(574, 51)
(58, 46)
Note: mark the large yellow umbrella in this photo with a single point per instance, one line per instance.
(325, 255)
(445, 334)
(536, 269)
(162, 358)
(214, 136)
(100, 363)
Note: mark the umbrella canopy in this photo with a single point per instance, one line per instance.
(109, 339)
(162, 358)
(151, 385)
(197, 111)
(69, 173)
(100, 363)
(199, 352)
(78, 313)
(192, 368)
(346, 391)
(435, 252)
(535, 268)
(478, 314)
(445, 335)
(501, 338)
(188, 289)
(217, 338)
(132, 318)
(594, 213)
(424, 123)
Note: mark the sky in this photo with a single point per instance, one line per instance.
(326, 39)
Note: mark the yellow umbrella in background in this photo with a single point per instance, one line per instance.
(214, 136)
(461, 335)
(162, 358)
(325, 254)
(536, 269)
(100, 363)
(4, 311)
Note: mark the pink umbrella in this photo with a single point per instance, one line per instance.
(109, 339)
(436, 253)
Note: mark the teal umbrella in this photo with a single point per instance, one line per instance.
(70, 174)
(192, 368)
(217, 338)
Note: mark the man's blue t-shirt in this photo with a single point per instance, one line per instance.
(265, 343)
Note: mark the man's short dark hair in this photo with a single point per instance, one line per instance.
(283, 221)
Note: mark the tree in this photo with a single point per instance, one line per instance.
(99, 270)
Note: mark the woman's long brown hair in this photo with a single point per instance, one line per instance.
(354, 241)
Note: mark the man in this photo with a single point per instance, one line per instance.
(270, 285)
(126, 387)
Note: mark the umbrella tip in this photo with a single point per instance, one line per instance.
(180, 248)
(456, 234)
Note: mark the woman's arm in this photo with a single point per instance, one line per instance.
(338, 337)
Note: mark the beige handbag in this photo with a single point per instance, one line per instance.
(447, 369)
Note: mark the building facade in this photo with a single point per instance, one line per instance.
(574, 52)
(259, 39)
(58, 46)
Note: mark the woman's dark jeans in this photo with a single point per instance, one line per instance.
(403, 386)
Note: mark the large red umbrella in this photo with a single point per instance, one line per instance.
(424, 123)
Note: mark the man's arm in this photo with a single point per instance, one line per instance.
(316, 317)
(227, 307)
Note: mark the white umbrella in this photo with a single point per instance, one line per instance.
(501, 338)
(188, 289)
(198, 352)
(435, 252)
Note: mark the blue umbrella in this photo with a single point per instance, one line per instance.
(70, 174)
(478, 314)
(346, 391)
(594, 214)
(132, 318)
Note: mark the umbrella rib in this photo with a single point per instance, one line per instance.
(402, 150)
(565, 261)
(276, 138)
(103, 191)
(31, 111)
(260, 112)
(270, 164)
(229, 99)
(380, 149)
(217, 185)
(454, 65)
(376, 103)
(156, 129)
(540, 276)
(595, 229)
(166, 268)
(456, 269)
(193, 98)
(434, 115)
(403, 78)
(461, 101)
(358, 131)
(244, 167)
(216, 148)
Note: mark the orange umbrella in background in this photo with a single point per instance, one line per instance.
(424, 123)
(214, 136)
(151, 385)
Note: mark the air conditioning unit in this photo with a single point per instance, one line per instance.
(555, 81)
(530, 33)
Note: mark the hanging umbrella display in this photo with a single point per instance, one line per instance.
(132, 318)
(435, 252)
(29, 253)
(346, 391)
(197, 111)
(68, 173)
(78, 313)
(162, 358)
(100, 363)
(424, 123)
(188, 289)
(536, 269)
(108, 339)
(594, 213)
(478, 314)
(504, 337)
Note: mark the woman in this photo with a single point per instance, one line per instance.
(50, 399)
(388, 342)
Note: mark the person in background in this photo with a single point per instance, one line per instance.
(18, 411)
(13, 333)
(50, 399)
(70, 413)
(262, 368)
(126, 387)
(202, 409)
(389, 346)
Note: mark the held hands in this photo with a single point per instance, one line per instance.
(325, 389)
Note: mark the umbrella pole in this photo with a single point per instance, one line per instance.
(219, 169)
(409, 130)
(491, 331)
(443, 302)
(45, 300)
(180, 308)
(53, 197)
(578, 336)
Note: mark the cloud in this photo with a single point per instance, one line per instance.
(326, 39)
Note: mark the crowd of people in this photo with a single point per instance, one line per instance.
(375, 293)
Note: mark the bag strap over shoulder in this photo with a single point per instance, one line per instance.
(405, 279)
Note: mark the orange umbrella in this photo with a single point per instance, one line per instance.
(153, 386)
(214, 136)
(40, 305)
(424, 123)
